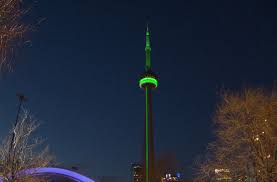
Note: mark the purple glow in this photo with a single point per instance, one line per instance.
(50, 170)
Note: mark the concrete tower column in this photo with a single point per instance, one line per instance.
(148, 82)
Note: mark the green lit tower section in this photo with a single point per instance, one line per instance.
(148, 82)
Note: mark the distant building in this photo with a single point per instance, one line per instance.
(222, 175)
(170, 178)
(137, 173)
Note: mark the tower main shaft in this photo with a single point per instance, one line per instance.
(148, 82)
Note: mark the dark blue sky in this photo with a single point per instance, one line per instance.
(81, 75)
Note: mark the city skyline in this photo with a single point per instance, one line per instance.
(81, 70)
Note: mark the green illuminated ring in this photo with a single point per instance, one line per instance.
(149, 80)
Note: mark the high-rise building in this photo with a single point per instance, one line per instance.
(137, 173)
(148, 82)
(169, 178)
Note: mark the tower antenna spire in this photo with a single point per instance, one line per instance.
(147, 49)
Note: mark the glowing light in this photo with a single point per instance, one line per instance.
(146, 133)
(58, 171)
(168, 176)
(256, 138)
(149, 80)
(222, 174)
(221, 170)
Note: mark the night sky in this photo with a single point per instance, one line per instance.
(81, 75)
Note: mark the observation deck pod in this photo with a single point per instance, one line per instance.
(148, 79)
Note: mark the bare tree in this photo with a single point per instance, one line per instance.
(25, 153)
(12, 31)
(246, 138)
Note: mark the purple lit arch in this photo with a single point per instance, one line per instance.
(58, 171)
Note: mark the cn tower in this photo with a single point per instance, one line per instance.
(148, 82)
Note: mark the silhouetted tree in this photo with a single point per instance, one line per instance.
(12, 31)
(246, 138)
(25, 153)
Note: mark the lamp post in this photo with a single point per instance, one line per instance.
(11, 154)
